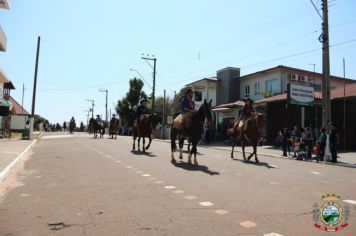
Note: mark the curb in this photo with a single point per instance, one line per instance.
(269, 154)
(6, 171)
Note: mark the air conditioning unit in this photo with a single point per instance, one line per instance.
(303, 78)
(293, 77)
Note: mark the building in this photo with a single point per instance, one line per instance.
(230, 89)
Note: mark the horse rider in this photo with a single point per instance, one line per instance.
(113, 119)
(247, 113)
(98, 119)
(188, 109)
(72, 120)
(142, 110)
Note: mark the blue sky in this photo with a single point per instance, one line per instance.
(88, 45)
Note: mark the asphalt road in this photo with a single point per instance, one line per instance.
(74, 185)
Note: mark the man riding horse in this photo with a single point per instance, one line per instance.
(183, 122)
(247, 113)
(142, 110)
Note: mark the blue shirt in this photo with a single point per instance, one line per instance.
(141, 110)
(186, 103)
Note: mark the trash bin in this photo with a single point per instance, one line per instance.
(26, 133)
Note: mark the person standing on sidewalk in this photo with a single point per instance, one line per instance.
(286, 137)
(321, 143)
(333, 142)
(295, 136)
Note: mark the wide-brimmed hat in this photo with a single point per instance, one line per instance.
(113, 115)
(247, 98)
(143, 100)
(189, 90)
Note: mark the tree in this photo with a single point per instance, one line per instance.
(126, 107)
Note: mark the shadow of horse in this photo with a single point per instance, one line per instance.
(262, 164)
(190, 167)
(139, 153)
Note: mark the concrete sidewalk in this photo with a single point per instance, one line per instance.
(347, 159)
(12, 151)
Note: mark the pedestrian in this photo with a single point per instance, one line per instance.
(321, 143)
(333, 142)
(308, 143)
(285, 138)
(295, 135)
(279, 139)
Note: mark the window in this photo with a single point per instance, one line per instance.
(257, 88)
(272, 86)
(198, 96)
(247, 90)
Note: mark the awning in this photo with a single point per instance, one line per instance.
(4, 103)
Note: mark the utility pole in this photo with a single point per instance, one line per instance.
(23, 93)
(315, 102)
(106, 102)
(344, 141)
(324, 39)
(164, 115)
(35, 78)
(92, 107)
(154, 59)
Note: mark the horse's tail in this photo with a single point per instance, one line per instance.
(173, 136)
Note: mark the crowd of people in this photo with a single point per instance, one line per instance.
(300, 143)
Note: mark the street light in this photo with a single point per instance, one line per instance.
(92, 107)
(141, 77)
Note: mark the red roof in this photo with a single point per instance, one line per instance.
(350, 91)
(17, 109)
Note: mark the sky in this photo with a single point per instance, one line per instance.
(91, 45)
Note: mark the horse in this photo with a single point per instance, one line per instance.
(96, 126)
(193, 134)
(251, 135)
(71, 127)
(143, 129)
(114, 128)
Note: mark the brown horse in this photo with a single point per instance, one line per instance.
(143, 130)
(193, 134)
(114, 128)
(96, 127)
(251, 135)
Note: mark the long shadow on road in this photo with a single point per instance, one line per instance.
(191, 167)
(141, 153)
(263, 164)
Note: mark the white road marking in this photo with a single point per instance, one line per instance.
(274, 166)
(248, 224)
(117, 161)
(107, 156)
(190, 197)
(206, 204)
(272, 234)
(275, 183)
(8, 152)
(159, 182)
(139, 172)
(169, 187)
(350, 201)
(128, 167)
(315, 172)
(24, 195)
(221, 212)
(179, 191)
(145, 175)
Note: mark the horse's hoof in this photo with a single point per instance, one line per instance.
(195, 163)
(181, 157)
(257, 161)
(173, 161)
(189, 162)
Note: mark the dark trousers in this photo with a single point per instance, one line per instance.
(333, 152)
(284, 147)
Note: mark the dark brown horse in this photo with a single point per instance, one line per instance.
(143, 129)
(251, 135)
(194, 134)
(96, 127)
(114, 128)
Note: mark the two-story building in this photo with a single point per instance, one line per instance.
(231, 89)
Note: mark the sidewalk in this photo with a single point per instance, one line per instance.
(347, 159)
(12, 151)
